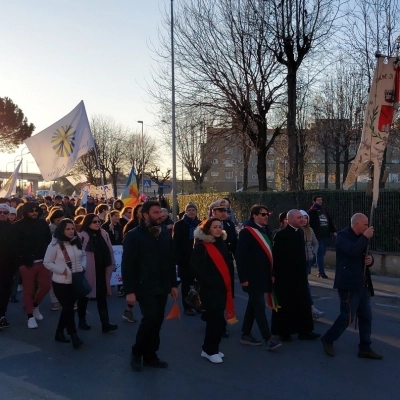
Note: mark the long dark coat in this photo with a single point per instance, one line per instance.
(290, 284)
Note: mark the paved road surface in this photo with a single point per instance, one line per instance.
(33, 366)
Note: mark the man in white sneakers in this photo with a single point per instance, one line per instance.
(33, 237)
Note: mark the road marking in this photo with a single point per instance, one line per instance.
(386, 305)
(323, 298)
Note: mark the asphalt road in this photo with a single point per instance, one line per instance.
(33, 366)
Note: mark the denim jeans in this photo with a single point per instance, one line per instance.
(352, 304)
(321, 255)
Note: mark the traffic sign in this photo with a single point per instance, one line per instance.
(164, 186)
(147, 183)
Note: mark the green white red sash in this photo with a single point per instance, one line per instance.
(223, 269)
(266, 245)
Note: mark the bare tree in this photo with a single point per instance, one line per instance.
(140, 153)
(224, 65)
(296, 29)
(159, 178)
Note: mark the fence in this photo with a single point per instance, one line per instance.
(340, 204)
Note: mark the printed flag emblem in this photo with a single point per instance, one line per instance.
(63, 140)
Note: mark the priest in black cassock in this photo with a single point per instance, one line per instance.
(290, 286)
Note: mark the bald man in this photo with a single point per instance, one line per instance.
(291, 283)
(354, 285)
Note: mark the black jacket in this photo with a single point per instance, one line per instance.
(212, 286)
(8, 249)
(148, 265)
(315, 222)
(291, 280)
(350, 253)
(183, 246)
(116, 236)
(33, 237)
(232, 238)
(252, 262)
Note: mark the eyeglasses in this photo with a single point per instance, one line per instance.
(221, 209)
(263, 214)
(96, 222)
(4, 212)
(34, 210)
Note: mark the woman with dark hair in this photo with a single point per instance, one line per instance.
(101, 210)
(125, 215)
(45, 210)
(113, 227)
(118, 205)
(99, 266)
(80, 211)
(54, 218)
(65, 256)
(78, 220)
(135, 219)
(210, 264)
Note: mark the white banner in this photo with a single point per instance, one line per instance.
(116, 277)
(10, 186)
(57, 148)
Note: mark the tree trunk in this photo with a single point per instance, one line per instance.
(346, 164)
(293, 146)
(337, 167)
(262, 156)
(326, 166)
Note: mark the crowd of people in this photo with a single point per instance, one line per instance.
(56, 246)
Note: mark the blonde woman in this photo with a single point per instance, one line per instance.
(311, 243)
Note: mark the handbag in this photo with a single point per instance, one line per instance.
(80, 284)
(193, 298)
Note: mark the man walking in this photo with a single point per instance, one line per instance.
(148, 272)
(183, 232)
(7, 262)
(33, 237)
(354, 285)
(254, 263)
(322, 225)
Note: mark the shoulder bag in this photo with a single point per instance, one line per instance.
(80, 284)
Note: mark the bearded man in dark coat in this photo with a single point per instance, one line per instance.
(290, 286)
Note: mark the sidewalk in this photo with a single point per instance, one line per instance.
(384, 286)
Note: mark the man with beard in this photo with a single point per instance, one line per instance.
(290, 286)
(148, 272)
(7, 262)
(183, 244)
(33, 237)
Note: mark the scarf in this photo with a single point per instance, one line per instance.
(98, 246)
(192, 225)
(222, 267)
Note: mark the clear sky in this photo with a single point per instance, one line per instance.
(54, 53)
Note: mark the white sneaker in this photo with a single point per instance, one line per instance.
(32, 324)
(214, 358)
(316, 314)
(222, 355)
(36, 314)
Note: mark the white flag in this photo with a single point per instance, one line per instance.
(56, 149)
(77, 180)
(10, 186)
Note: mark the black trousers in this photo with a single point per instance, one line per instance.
(148, 334)
(67, 298)
(255, 310)
(216, 325)
(6, 281)
(101, 298)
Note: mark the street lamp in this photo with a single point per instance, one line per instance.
(141, 122)
(174, 186)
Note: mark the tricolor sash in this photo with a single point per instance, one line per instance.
(223, 269)
(266, 245)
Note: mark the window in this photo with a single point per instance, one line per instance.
(240, 160)
(228, 163)
(205, 179)
(214, 149)
(214, 173)
(215, 161)
(253, 164)
(229, 151)
(254, 177)
(228, 175)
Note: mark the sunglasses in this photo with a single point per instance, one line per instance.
(263, 214)
(96, 222)
(4, 213)
(34, 210)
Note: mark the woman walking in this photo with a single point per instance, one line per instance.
(99, 266)
(65, 256)
(210, 265)
(311, 243)
(135, 219)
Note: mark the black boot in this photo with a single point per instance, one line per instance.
(60, 337)
(76, 342)
(105, 322)
(83, 324)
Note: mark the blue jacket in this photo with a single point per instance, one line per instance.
(350, 253)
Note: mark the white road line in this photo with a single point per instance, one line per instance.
(386, 305)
